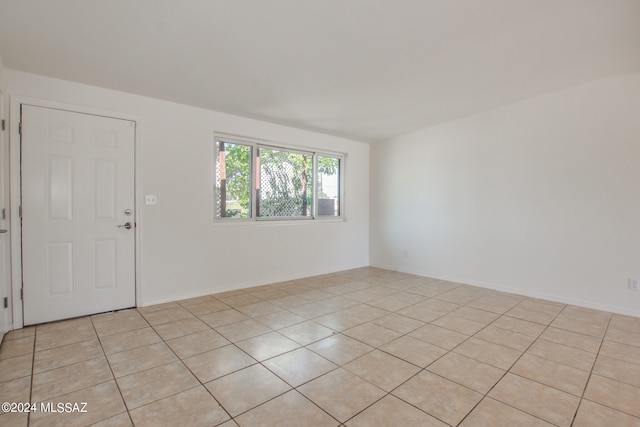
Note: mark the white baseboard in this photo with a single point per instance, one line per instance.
(243, 285)
(516, 291)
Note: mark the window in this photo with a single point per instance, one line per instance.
(233, 180)
(255, 181)
(284, 187)
(328, 185)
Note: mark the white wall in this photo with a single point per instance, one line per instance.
(182, 252)
(540, 198)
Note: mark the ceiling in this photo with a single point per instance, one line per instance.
(365, 69)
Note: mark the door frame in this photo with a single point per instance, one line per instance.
(6, 316)
(16, 102)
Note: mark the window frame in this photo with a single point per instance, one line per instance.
(256, 145)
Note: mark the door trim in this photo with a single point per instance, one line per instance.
(6, 316)
(16, 193)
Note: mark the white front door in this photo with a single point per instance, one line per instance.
(78, 253)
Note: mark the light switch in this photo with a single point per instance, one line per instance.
(151, 199)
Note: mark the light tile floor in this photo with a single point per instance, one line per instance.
(366, 347)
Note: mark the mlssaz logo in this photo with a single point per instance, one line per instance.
(61, 407)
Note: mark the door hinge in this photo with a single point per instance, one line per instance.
(4, 213)
(4, 124)
(20, 128)
(22, 293)
(20, 211)
(6, 302)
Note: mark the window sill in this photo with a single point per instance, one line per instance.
(273, 222)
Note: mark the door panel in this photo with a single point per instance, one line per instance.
(77, 183)
(59, 188)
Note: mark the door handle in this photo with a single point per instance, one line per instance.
(3, 231)
(126, 225)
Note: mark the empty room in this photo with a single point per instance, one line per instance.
(320, 213)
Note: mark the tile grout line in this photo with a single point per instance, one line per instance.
(190, 371)
(292, 388)
(582, 398)
(33, 363)
(421, 369)
(387, 393)
(115, 380)
(449, 351)
(326, 373)
(508, 370)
